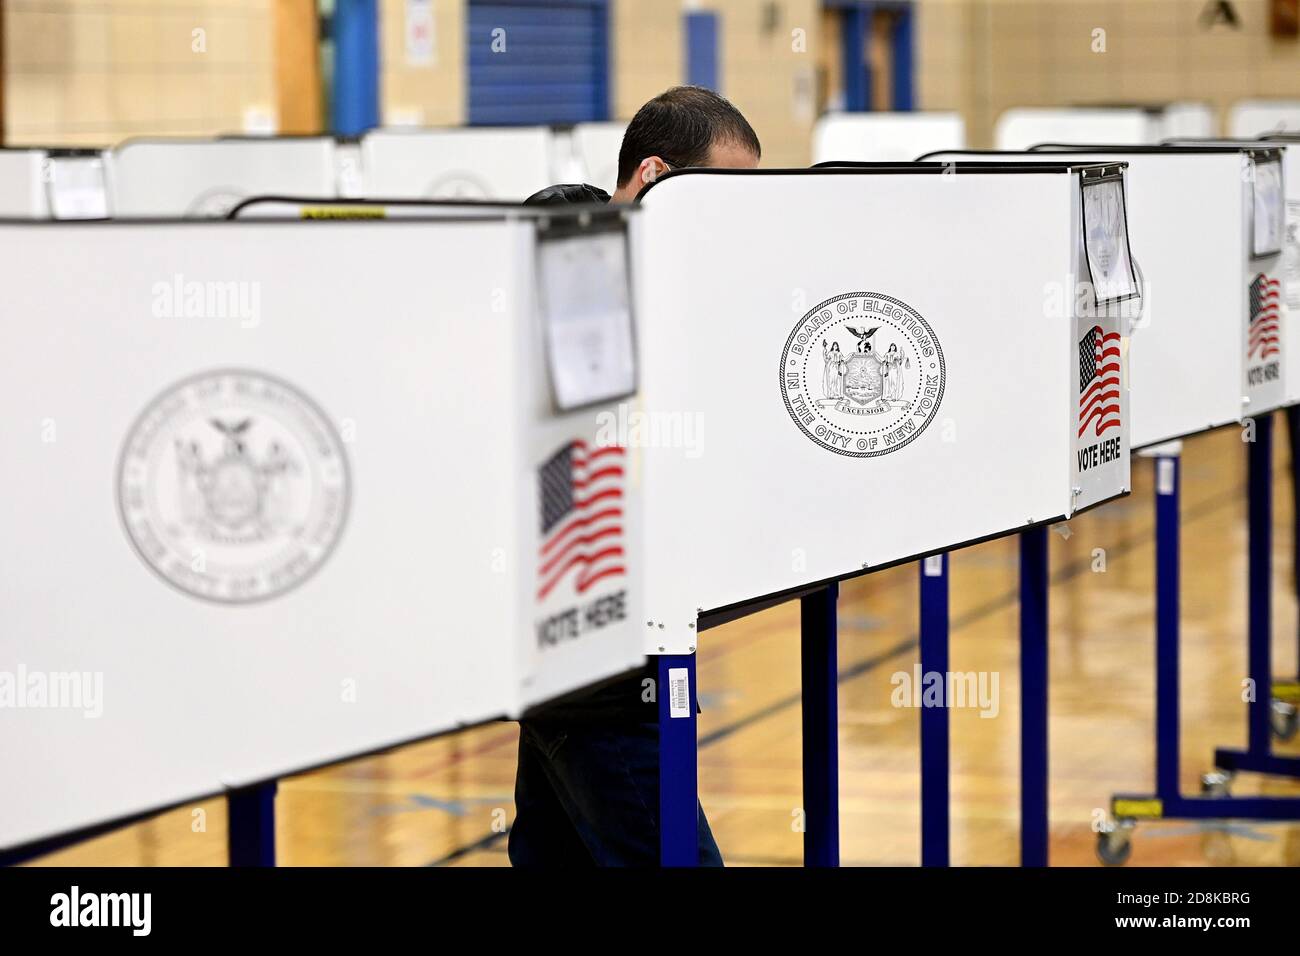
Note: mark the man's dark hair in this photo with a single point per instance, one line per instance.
(680, 126)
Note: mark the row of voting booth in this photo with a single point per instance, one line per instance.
(269, 512)
(901, 137)
(309, 548)
(1207, 229)
(206, 178)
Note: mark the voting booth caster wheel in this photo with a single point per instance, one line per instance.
(1217, 783)
(1115, 842)
(1285, 719)
(1216, 845)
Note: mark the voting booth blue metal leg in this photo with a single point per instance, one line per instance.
(250, 825)
(1293, 433)
(1033, 697)
(1168, 574)
(934, 720)
(1168, 802)
(679, 826)
(821, 774)
(1258, 756)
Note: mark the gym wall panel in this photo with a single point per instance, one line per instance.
(83, 72)
(648, 52)
(944, 63)
(770, 81)
(772, 84)
(423, 93)
(298, 94)
(982, 57)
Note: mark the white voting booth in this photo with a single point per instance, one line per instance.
(1186, 118)
(1024, 127)
(253, 523)
(206, 178)
(885, 137)
(587, 153)
(23, 184)
(1291, 253)
(52, 184)
(1289, 188)
(815, 408)
(377, 209)
(1212, 313)
(470, 163)
(1250, 118)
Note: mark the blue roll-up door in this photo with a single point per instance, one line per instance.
(537, 62)
(702, 49)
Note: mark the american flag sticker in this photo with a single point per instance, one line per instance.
(1098, 381)
(581, 493)
(1262, 337)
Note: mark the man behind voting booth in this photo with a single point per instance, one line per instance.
(587, 782)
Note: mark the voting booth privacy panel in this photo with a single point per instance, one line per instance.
(815, 407)
(52, 184)
(1212, 287)
(885, 137)
(1291, 251)
(256, 523)
(23, 184)
(1250, 118)
(472, 163)
(1023, 127)
(205, 179)
(588, 153)
(1285, 194)
(286, 207)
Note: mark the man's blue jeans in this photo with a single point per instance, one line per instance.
(588, 794)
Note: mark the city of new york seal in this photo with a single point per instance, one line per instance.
(233, 486)
(862, 374)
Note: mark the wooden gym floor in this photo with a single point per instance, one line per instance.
(444, 802)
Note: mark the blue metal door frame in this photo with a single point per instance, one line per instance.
(355, 31)
(855, 20)
(703, 40)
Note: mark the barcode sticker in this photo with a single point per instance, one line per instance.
(679, 692)
(1164, 476)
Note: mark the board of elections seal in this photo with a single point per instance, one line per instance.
(458, 185)
(215, 203)
(862, 374)
(233, 486)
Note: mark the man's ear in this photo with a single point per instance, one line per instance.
(651, 168)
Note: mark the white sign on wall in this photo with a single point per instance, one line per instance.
(421, 36)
